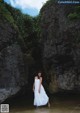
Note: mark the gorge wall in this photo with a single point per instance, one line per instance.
(12, 74)
(49, 42)
(20, 52)
(60, 27)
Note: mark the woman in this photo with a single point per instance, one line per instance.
(40, 96)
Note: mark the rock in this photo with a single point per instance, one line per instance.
(12, 73)
(61, 46)
(6, 93)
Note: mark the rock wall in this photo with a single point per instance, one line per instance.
(61, 46)
(56, 51)
(12, 75)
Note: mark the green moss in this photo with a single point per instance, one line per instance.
(26, 26)
(24, 22)
(73, 16)
(6, 14)
(76, 14)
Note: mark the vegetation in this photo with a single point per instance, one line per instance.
(76, 14)
(27, 29)
(5, 13)
(26, 25)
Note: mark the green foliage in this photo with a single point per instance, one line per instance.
(6, 14)
(73, 16)
(2, 1)
(76, 14)
(26, 26)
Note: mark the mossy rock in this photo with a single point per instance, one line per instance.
(6, 14)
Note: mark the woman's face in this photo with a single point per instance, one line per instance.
(39, 74)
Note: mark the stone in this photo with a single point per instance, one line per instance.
(61, 46)
(12, 73)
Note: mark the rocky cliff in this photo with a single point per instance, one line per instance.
(53, 46)
(20, 51)
(12, 76)
(60, 33)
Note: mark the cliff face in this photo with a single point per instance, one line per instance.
(60, 27)
(12, 76)
(20, 52)
(23, 52)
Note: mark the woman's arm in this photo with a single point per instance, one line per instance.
(40, 84)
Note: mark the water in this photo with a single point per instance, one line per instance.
(60, 103)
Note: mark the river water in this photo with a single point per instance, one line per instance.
(60, 103)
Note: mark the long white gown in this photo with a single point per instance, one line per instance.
(41, 98)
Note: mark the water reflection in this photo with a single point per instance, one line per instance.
(71, 108)
(42, 110)
(59, 104)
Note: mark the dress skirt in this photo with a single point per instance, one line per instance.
(41, 98)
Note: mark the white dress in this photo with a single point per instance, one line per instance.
(41, 98)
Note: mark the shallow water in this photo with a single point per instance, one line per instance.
(59, 104)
